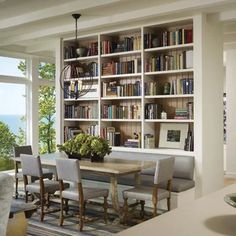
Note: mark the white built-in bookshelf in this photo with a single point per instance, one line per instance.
(140, 74)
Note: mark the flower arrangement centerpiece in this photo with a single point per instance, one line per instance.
(85, 145)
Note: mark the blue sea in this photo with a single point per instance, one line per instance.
(14, 122)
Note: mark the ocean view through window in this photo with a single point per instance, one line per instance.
(12, 109)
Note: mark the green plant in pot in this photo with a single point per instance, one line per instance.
(84, 145)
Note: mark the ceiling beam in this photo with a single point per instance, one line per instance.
(50, 12)
(228, 15)
(129, 16)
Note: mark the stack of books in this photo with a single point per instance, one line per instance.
(181, 114)
(132, 143)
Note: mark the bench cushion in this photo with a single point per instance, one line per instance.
(180, 185)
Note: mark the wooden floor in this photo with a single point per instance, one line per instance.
(228, 181)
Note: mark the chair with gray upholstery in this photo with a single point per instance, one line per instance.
(31, 166)
(18, 174)
(163, 173)
(69, 170)
(6, 191)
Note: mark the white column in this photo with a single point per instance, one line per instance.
(33, 105)
(59, 94)
(208, 107)
(231, 112)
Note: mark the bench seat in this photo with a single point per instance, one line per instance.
(178, 184)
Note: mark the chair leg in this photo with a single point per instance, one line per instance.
(105, 209)
(142, 203)
(26, 196)
(47, 200)
(154, 201)
(168, 204)
(61, 213)
(126, 208)
(16, 192)
(81, 219)
(66, 206)
(42, 207)
(84, 209)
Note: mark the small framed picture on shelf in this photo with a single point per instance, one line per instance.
(173, 135)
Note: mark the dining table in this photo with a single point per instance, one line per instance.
(111, 167)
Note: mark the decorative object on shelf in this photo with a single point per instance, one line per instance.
(81, 72)
(163, 115)
(86, 146)
(166, 88)
(173, 135)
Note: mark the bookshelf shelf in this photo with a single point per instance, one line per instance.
(121, 76)
(120, 120)
(170, 96)
(79, 119)
(81, 99)
(169, 120)
(81, 58)
(170, 72)
(160, 151)
(121, 98)
(118, 54)
(81, 78)
(169, 48)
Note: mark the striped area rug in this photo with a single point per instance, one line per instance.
(93, 226)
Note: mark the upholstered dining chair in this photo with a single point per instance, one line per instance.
(31, 166)
(163, 173)
(69, 170)
(47, 173)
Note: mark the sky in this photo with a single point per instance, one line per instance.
(12, 101)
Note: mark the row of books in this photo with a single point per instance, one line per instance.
(76, 70)
(71, 132)
(152, 88)
(152, 111)
(116, 89)
(124, 67)
(149, 141)
(127, 44)
(92, 130)
(180, 86)
(121, 112)
(111, 135)
(92, 49)
(168, 38)
(83, 112)
(185, 112)
(70, 50)
(174, 61)
(189, 142)
(73, 88)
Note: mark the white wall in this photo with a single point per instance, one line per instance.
(231, 111)
(208, 92)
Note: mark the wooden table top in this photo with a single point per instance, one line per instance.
(110, 165)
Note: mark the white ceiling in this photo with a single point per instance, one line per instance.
(32, 26)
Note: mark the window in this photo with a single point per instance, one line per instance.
(11, 66)
(47, 102)
(12, 120)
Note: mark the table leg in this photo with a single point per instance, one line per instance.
(114, 193)
(137, 179)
